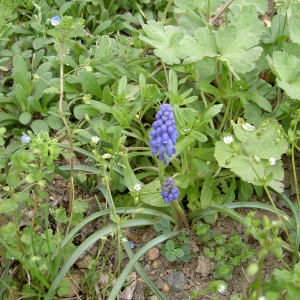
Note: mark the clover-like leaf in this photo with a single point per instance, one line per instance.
(287, 69)
(165, 39)
(252, 154)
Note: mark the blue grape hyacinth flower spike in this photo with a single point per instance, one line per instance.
(164, 133)
(169, 190)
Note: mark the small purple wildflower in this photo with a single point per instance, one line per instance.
(131, 244)
(164, 133)
(25, 138)
(55, 20)
(169, 190)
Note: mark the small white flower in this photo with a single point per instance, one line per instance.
(228, 139)
(262, 298)
(221, 288)
(55, 20)
(95, 139)
(272, 161)
(137, 187)
(25, 138)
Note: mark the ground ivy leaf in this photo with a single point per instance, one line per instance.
(287, 69)
(165, 39)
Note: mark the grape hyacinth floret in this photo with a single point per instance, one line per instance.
(164, 133)
(169, 190)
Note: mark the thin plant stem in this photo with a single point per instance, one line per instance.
(283, 225)
(70, 137)
(211, 123)
(175, 206)
(212, 22)
(164, 14)
(258, 280)
(35, 201)
(161, 169)
(293, 161)
(208, 10)
(183, 219)
(295, 174)
(199, 293)
(225, 117)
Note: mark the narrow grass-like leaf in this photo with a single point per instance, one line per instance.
(295, 210)
(118, 285)
(85, 245)
(228, 209)
(143, 274)
(119, 210)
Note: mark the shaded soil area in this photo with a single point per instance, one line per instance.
(92, 278)
(194, 275)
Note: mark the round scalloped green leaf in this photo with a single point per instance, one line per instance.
(150, 194)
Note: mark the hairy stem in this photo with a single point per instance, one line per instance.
(69, 134)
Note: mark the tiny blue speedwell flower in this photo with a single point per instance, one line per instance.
(55, 20)
(164, 133)
(169, 190)
(25, 138)
(131, 244)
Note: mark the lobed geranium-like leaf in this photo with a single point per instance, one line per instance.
(248, 156)
(246, 18)
(293, 20)
(165, 39)
(287, 69)
(260, 6)
(236, 48)
(203, 45)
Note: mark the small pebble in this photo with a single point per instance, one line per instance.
(153, 253)
(156, 264)
(177, 281)
(166, 288)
